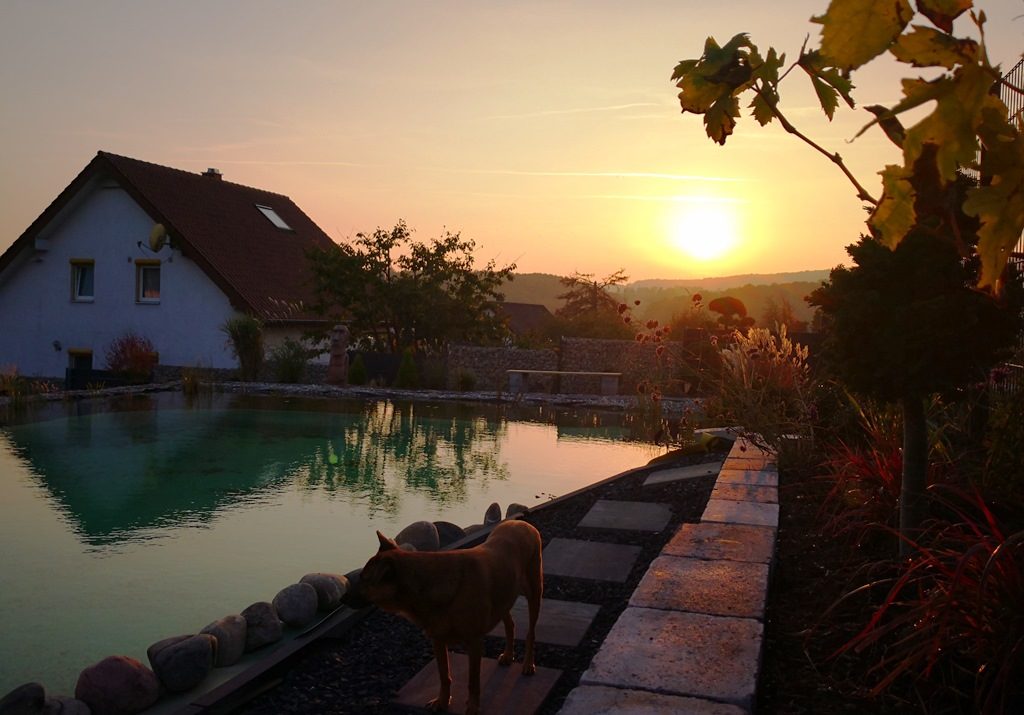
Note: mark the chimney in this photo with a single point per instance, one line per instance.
(213, 174)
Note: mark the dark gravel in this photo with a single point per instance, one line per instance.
(362, 672)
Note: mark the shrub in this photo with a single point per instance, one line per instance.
(132, 356)
(357, 374)
(245, 338)
(953, 614)
(289, 361)
(765, 386)
(407, 378)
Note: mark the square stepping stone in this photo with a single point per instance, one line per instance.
(746, 492)
(628, 515)
(757, 477)
(589, 559)
(691, 471)
(741, 512)
(680, 653)
(733, 542)
(502, 689)
(559, 623)
(720, 588)
(601, 700)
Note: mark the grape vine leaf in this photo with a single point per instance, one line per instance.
(943, 12)
(927, 47)
(953, 123)
(856, 31)
(720, 119)
(894, 216)
(828, 82)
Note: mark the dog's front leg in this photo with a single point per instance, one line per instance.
(444, 695)
(475, 651)
(509, 654)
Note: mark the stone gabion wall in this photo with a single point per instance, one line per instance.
(486, 368)
(636, 361)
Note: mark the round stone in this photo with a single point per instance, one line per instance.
(230, 634)
(117, 685)
(27, 699)
(262, 626)
(330, 589)
(421, 534)
(182, 662)
(448, 533)
(514, 509)
(296, 604)
(493, 514)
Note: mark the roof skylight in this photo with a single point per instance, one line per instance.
(273, 217)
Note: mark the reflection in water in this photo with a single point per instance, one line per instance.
(117, 474)
(158, 514)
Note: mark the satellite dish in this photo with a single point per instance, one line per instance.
(157, 237)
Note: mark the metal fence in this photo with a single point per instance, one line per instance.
(1011, 373)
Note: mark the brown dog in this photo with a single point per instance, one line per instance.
(458, 596)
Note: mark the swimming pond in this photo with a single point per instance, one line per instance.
(126, 521)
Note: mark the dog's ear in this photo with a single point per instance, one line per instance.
(386, 544)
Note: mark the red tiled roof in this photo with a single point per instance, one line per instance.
(261, 268)
(526, 317)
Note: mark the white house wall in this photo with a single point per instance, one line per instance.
(39, 323)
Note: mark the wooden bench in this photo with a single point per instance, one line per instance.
(609, 380)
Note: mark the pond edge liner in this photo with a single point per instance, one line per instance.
(259, 677)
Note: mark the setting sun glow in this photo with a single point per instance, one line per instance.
(705, 230)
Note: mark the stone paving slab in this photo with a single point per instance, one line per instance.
(733, 542)
(741, 512)
(746, 492)
(589, 559)
(765, 463)
(757, 477)
(503, 690)
(601, 700)
(679, 653)
(628, 515)
(692, 471)
(720, 588)
(560, 622)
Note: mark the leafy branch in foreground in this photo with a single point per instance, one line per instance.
(966, 116)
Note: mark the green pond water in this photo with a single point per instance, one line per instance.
(126, 521)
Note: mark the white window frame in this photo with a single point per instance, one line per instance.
(273, 217)
(141, 267)
(78, 267)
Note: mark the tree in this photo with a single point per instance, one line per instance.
(590, 310)
(917, 203)
(397, 292)
(780, 312)
(732, 313)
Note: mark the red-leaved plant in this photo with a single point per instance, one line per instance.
(953, 618)
(133, 356)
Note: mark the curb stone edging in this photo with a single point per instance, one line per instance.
(691, 662)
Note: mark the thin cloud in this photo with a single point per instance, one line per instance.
(282, 162)
(593, 174)
(577, 110)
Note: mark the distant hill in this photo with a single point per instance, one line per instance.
(660, 299)
(727, 282)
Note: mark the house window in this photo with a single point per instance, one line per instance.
(147, 281)
(79, 359)
(273, 217)
(83, 273)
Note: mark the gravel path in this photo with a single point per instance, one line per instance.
(361, 672)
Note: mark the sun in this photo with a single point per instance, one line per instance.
(704, 230)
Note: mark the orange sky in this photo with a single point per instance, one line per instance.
(547, 131)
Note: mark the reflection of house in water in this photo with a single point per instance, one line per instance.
(117, 475)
